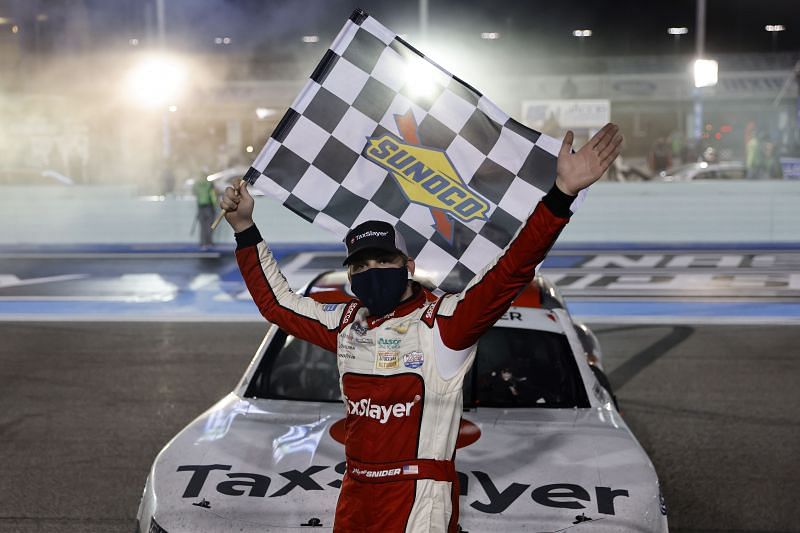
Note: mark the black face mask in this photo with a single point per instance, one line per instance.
(380, 289)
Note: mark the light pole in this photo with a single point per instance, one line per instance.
(156, 83)
(161, 25)
(423, 20)
(705, 70)
(676, 32)
(581, 35)
(774, 30)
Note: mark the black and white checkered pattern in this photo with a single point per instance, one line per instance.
(313, 160)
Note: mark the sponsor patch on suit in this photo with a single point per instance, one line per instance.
(387, 360)
(413, 359)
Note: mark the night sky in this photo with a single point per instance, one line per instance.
(623, 27)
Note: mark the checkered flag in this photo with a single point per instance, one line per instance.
(381, 132)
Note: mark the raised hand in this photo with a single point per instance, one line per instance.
(238, 206)
(579, 170)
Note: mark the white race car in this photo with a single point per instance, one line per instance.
(542, 447)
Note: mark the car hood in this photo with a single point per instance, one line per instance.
(255, 465)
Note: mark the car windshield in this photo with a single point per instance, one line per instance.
(513, 368)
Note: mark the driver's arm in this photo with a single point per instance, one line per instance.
(462, 318)
(300, 316)
(297, 315)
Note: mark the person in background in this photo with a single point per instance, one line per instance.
(660, 155)
(754, 156)
(206, 198)
(506, 388)
(167, 178)
(772, 161)
(677, 144)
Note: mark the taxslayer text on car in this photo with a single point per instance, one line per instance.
(561, 495)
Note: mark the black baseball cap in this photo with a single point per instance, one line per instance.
(374, 234)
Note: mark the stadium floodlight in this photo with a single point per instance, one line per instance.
(264, 112)
(424, 78)
(705, 72)
(490, 35)
(582, 33)
(156, 81)
(682, 30)
(310, 38)
(775, 27)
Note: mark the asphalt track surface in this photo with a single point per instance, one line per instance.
(85, 407)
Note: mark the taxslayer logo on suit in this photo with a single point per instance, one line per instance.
(381, 413)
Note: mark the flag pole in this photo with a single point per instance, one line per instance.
(218, 220)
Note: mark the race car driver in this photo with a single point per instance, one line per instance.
(403, 352)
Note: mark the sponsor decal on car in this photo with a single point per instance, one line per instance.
(413, 359)
(511, 315)
(491, 498)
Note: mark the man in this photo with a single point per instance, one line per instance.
(754, 156)
(403, 352)
(206, 198)
(505, 388)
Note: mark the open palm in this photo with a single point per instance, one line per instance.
(578, 170)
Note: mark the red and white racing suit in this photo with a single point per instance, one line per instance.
(401, 375)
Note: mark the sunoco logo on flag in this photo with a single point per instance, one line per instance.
(426, 175)
(452, 172)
